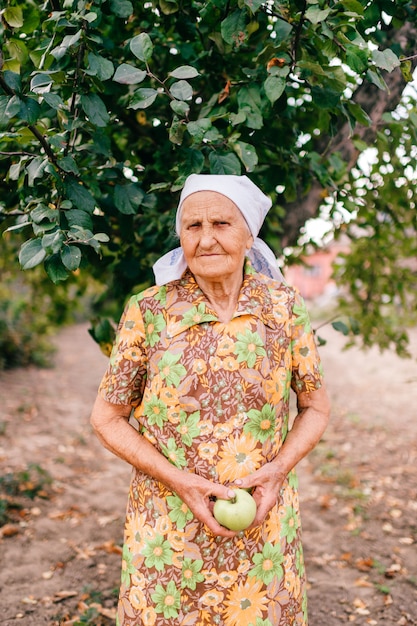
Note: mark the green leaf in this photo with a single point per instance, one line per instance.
(159, 186)
(224, 164)
(233, 28)
(40, 229)
(121, 8)
(315, 15)
(357, 59)
(16, 227)
(41, 83)
(99, 66)
(129, 75)
(90, 17)
(78, 217)
(325, 98)
(31, 19)
(4, 100)
(359, 144)
(359, 114)
(68, 164)
(13, 16)
(95, 109)
(15, 169)
(353, 6)
(71, 257)
(283, 30)
(29, 110)
(12, 80)
(199, 128)
(31, 254)
(341, 327)
(184, 72)
(176, 132)
(142, 47)
(413, 118)
(79, 195)
(18, 50)
(42, 212)
(181, 90)
(52, 242)
(250, 103)
(376, 79)
(274, 88)
(56, 269)
(247, 154)
(35, 169)
(13, 107)
(407, 71)
(128, 198)
(53, 100)
(67, 42)
(385, 59)
(168, 6)
(313, 68)
(192, 162)
(254, 5)
(102, 237)
(180, 108)
(143, 98)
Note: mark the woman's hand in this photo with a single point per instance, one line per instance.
(199, 494)
(264, 485)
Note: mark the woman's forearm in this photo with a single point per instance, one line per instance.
(307, 430)
(111, 425)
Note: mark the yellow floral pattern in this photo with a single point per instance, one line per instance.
(214, 398)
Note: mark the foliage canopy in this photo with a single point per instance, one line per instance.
(106, 107)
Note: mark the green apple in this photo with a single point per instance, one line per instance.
(237, 513)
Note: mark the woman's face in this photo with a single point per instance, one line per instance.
(214, 236)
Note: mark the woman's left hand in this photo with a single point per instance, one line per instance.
(264, 485)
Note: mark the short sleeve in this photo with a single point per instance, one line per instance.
(125, 377)
(307, 373)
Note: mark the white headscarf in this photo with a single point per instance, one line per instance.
(252, 203)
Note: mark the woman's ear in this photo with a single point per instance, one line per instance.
(249, 242)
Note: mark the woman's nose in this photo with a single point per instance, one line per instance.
(207, 237)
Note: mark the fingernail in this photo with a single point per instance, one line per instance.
(231, 493)
(238, 482)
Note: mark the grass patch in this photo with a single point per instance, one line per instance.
(16, 487)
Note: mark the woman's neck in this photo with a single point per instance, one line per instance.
(222, 295)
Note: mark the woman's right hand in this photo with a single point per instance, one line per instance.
(199, 494)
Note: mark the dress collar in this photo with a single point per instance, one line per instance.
(187, 305)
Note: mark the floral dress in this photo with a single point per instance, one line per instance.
(213, 398)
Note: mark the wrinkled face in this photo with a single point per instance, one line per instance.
(214, 236)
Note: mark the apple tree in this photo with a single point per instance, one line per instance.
(106, 106)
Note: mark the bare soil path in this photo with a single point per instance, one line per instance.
(60, 552)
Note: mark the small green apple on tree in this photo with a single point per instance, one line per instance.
(237, 513)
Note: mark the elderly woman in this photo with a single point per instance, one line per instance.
(206, 361)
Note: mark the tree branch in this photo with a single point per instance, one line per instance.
(298, 34)
(77, 81)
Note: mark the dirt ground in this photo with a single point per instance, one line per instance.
(60, 552)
